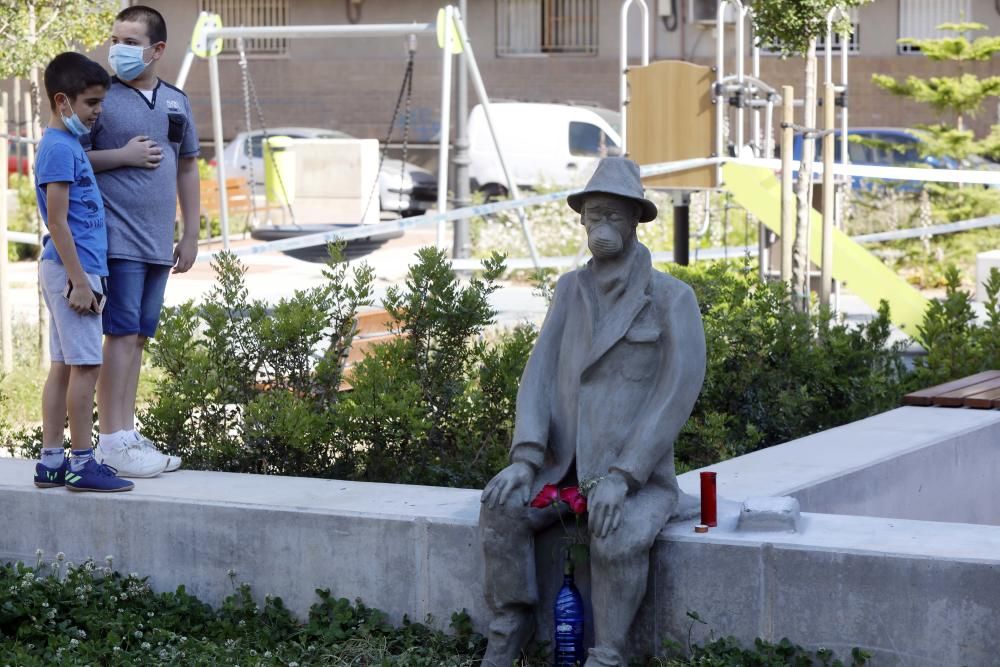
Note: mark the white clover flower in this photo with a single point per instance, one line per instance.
(230, 643)
(144, 646)
(73, 643)
(231, 572)
(163, 654)
(114, 598)
(267, 654)
(52, 614)
(293, 664)
(242, 624)
(45, 604)
(60, 556)
(116, 649)
(137, 634)
(82, 634)
(124, 595)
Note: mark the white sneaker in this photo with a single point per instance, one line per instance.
(133, 460)
(173, 462)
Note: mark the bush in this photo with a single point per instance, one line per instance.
(241, 390)
(957, 344)
(25, 219)
(774, 374)
(248, 388)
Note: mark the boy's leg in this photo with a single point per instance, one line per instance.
(131, 390)
(54, 405)
(80, 404)
(122, 316)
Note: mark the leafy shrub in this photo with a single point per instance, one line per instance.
(774, 374)
(248, 388)
(957, 344)
(437, 405)
(25, 219)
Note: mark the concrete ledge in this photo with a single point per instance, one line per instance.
(912, 592)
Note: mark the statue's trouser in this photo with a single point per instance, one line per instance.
(619, 568)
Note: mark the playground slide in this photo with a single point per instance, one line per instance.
(758, 190)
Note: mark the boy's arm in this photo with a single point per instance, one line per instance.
(140, 151)
(189, 194)
(82, 298)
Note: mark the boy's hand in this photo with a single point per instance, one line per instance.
(141, 151)
(82, 300)
(185, 253)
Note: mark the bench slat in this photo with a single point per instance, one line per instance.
(926, 396)
(955, 399)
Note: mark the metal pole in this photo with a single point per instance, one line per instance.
(220, 163)
(826, 258)
(462, 245)
(34, 132)
(484, 100)
(682, 227)
(740, 47)
(182, 75)
(623, 59)
(720, 96)
(6, 339)
(442, 199)
(787, 196)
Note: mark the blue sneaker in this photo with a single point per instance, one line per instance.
(94, 476)
(47, 478)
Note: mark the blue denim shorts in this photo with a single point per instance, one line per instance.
(135, 297)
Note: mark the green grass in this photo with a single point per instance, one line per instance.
(23, 387)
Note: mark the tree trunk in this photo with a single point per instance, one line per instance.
(803, 189)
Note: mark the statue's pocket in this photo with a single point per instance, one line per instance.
(639, 353)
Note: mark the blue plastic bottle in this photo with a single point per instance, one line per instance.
(567, 619)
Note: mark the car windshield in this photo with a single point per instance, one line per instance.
(257, 139)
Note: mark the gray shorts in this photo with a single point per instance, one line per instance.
(74, 339)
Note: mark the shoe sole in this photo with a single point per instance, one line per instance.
(137, 475)
(47, 485)
(79, 490)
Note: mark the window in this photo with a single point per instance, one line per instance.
(919, 19)
(536, 27)
(587, 140)
(251, 13)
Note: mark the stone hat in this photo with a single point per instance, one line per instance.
(617, 176)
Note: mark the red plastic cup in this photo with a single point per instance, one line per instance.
(708, 506)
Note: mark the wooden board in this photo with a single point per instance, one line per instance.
(956, 397)
(985, 400)
(926, 396)
(670, 116)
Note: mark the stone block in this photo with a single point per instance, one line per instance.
(769, 514)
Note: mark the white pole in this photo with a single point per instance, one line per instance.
(484, 100)
(442, 194)
(220, 163)
(740, 47)
(623, 60)
(720, 94)
(182, 75)
(6, 339)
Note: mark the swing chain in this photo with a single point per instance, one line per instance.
(247, 145)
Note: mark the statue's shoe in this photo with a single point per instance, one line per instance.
(601, 656)
(509, 632)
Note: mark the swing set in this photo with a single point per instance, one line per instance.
(452, 38)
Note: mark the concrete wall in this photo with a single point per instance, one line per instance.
(911, 592)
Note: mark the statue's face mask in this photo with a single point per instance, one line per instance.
(609, 221)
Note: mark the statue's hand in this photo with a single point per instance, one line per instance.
(605, 505)
(513, 482)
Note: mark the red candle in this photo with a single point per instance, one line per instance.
(708, 509)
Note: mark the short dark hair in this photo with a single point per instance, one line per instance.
(156, 27)
(72, 73)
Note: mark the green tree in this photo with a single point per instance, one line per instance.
(959, 95)
(792, 27)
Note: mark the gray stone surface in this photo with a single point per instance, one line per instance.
(769, 514)
(912, 592)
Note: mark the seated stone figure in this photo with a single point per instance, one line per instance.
(613, 377)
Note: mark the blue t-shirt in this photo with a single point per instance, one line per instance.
(61, 160)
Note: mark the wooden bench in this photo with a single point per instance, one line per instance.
(981, 391)
(372, 328)
(238, 202)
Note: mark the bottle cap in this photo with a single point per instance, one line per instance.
(701, 528)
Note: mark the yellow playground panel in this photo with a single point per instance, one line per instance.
(758, 190)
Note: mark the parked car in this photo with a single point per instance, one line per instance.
(543, 144)
(404, 188)
(881, 147)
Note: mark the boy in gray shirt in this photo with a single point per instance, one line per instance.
(144, 149)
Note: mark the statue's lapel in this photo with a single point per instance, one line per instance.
(619, 318)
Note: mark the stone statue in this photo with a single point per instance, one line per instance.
(613, 377)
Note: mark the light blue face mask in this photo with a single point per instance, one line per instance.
(74, 125)
(126, 60)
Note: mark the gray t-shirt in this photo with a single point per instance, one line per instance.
(141, 204)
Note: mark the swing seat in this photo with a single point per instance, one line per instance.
(353, 249)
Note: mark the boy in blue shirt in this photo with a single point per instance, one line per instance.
(72, 271)
(144, 149)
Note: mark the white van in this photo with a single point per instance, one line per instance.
(543, 144)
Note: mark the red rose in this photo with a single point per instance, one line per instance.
(571, 496)
(549, 495)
